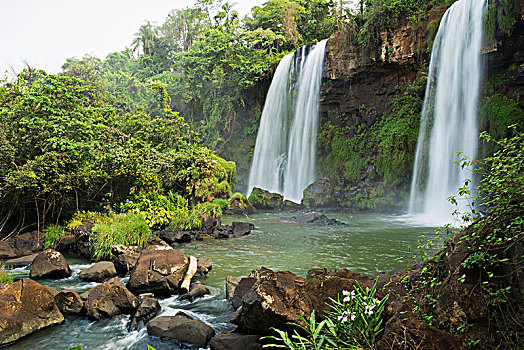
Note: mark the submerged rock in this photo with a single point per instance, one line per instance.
(181, 328)
(110, 299)
(314, 218)
(26, 307)
(50, 264)
(159, 270)
(99, 272)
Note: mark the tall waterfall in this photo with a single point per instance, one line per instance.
(449, 115)
(284, 158)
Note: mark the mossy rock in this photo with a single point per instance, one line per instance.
(262, 199)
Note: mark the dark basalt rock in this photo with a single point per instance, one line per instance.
(238, 229)
(125, 258)
(313, 218)
(99, 272)
(69, 302)
(26, 307)
(235, 341)
(175, 235)
(159, 270)
(149, 307)
(20, 262)
(181, 328)
(50, 264)
(262, 199)
(204, 265)
(110, 299)
(198, 290)
(320, 194)
(277, 298)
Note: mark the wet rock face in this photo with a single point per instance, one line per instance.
(197, 290)
(159, 270)
(21, 245)
(181, 328)
(235, 341)
(50, 264)
(262, 199)
(320, 194)
(276, 298)
(26, 307)
(69, 302)
(149, 307)
(99, 272)
(204, 265)
(110, 299)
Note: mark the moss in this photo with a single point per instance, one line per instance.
(5, 276)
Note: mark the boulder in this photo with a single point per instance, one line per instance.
(149, 307)
(209, 223)
(244, 286)
(50, 264)
(235, 341)
(109, 299)
(159, 270)
(51, 290)
(125, 262)
(181, 328)
(320, 194)
(204, 265)
(262, 199)
(69, 302)
(222, 232)
(119, 249)
(26, 307)
(7, 251)
(197, 290)
(277, 298)
(98, 272)
(20, 262)
(312, 217)
(240, 207)
(30, 241)
(231, 284)
(175, 235)
(242, 228)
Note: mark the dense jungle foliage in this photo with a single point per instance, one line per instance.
(216, 67)
(63, 150)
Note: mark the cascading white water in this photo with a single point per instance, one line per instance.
(449, 115)
(284, 162)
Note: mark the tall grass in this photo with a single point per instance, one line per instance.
(128, 229)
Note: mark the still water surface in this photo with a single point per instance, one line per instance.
(369, 243)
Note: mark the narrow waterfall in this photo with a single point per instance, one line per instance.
(285, 156)
(449, 115)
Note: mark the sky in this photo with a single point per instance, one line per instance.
(44, 33)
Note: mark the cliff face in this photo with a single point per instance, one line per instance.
(368, 89)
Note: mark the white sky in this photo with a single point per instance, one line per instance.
(44, 33)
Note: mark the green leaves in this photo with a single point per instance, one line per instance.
(354, 323)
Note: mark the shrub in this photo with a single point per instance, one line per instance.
(354, 323)
(52, 235)
(126, 228)
(209, 208)
(5, 276)
(85, 216)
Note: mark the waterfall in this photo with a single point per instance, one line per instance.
(284, 157)
(449, 115)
